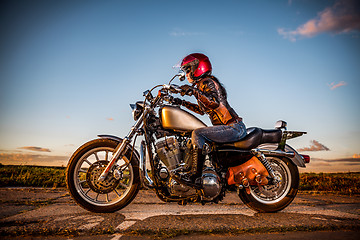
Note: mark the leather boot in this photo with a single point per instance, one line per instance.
(195, 172)
(197, 163)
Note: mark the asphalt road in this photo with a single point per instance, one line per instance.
(52, 214)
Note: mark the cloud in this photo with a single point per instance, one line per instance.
(176, 32)
(32, 159)
(332, 165)
(342, 160)
(315, 146)
(36, 149)
(336, 85)
(342, 17)
(356, 156)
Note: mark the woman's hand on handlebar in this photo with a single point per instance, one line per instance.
(186, 90)
(175, 88)
(172, 100)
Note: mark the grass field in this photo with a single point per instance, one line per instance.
(53, 177)
(32, 176)
(343, 183)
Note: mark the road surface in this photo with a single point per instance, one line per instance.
(51, 214)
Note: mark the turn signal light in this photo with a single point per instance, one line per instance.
(306, 158)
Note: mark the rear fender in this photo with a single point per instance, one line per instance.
(297, 159)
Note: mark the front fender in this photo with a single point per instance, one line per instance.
(119, 140)
(297, 159)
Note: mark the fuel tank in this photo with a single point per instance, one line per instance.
(174, 118)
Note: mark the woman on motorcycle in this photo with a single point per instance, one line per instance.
(212, 100)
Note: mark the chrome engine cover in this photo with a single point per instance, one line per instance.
(180, 190)
(169, 152)
(210, 182)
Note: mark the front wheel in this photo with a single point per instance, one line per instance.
(84, 169)
(274, 197)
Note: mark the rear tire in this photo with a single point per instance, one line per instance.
(274, 198)
(84, 169)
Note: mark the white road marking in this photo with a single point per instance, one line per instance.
(317, 218)
(116, 236)
(93, 221)
(125, 225)
(63, 218)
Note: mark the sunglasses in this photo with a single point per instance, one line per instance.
(186, 69)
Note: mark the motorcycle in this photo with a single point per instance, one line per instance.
(105, 174)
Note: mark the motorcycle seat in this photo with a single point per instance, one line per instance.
(256, 136)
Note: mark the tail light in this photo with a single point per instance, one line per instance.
(306, 158)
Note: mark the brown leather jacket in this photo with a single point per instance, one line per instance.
(212, 99)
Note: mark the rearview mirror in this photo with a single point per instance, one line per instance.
(181, 76)
(280, 124)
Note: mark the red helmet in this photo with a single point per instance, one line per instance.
(197, 64)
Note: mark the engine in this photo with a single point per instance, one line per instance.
(169, 152)
(177, 155)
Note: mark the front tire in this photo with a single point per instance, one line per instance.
(84, 169)
(273, 198)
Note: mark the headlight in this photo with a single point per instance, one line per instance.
(136, 114)
(137, 109)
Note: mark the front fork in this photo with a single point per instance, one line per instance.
(121, 148)
(145, 178)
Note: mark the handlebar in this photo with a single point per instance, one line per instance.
(172, 88)
(164, 91)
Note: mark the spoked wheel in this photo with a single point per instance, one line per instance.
(277, 196)
(84, 169)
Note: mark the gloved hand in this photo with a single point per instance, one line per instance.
(177, 101)
(187, 90)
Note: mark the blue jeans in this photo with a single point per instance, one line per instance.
(219, 134)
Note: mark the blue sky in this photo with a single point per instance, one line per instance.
(70, 69)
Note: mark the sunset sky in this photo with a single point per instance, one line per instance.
(70, 69)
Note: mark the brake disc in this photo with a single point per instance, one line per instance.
(92, 178)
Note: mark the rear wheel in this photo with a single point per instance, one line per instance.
(85, 168)
(274, 197)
